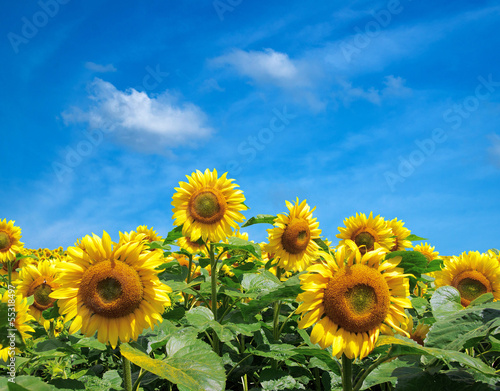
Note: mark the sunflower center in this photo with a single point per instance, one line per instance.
(41, 288)
(111, 289)
(4, 241)
(357, 298)
(296, 236)
(365, 241)
(361, 298)
(471, 284)
(207, 206)
(395, 247)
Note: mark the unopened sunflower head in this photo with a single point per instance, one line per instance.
(472, 274)
(369, 233)
(112, 290)
(291, 241)
(351, 298)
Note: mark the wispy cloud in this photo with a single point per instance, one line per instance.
(393, 87)
(494, 149)
(151, 124)
(100, 68)
(267, 66)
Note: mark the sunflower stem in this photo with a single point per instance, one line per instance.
(346, 373)
(213, 268)
(367, 371)
(9, 268)
(127, 374)
(276, 313)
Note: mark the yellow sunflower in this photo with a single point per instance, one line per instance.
(472, 274)
(10, 241)
(427, 250)
(418, 332)
(291, 241)
(208, 207)
(352, 298)
(20, 323)
(192, 247)
(112, 290)
(368, 233)
(400, 234)
(38, 281)
(142, 233)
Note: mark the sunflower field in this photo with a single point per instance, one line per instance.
(203, 307)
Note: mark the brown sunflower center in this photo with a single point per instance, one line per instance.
(41, 288)
(207, 206)
(395, 247)
(4, 241)
(111, 289)
(365, 241)
(357, 298)
(471, 284)
(296, 236)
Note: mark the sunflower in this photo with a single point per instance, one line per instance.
(142, 233)
(400, 234)
(38, 281)
(427, 250)
(20, 323)
(208, 207)
(352, 298)
(10, 243)
(417, 333)
(112, 290)
(472, 274)
(291, 241)
(368, 233)
(192, 247)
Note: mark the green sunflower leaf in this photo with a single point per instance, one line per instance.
(259, 219)
(173, 235)
(241, 244)
(414, 238)
(445, 301)
(401, 346)
(465, 328)
(190, 364)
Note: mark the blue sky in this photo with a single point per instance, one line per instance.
(391, 107)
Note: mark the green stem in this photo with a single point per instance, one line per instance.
(127, 374)
(239, 362)
(9, 268)
(189, 278)
(138, 381)
(213, 267)
(346, 373)
(244, 380)
(317, 379)
(276, 313)
(367, 371)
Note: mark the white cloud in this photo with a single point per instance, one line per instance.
(265, 66)
(210, 85)
(494, 150)
(393, 87)
(99, 68)
(143, 122)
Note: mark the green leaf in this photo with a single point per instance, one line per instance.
(241, 244)
(275, 379)
(465, 328)
(414, 238)
(413, 262)
(52, 312)
(419, 304)
(259, 219)
(67, 384)
(89, 342)
(191, 364)
(387, 372)
(173, 235)
(405, 346)
(322, 245)
(485, 298)
(434, 265)
(260, 282)
(30, 383)
(445, 301)
(321, 355)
